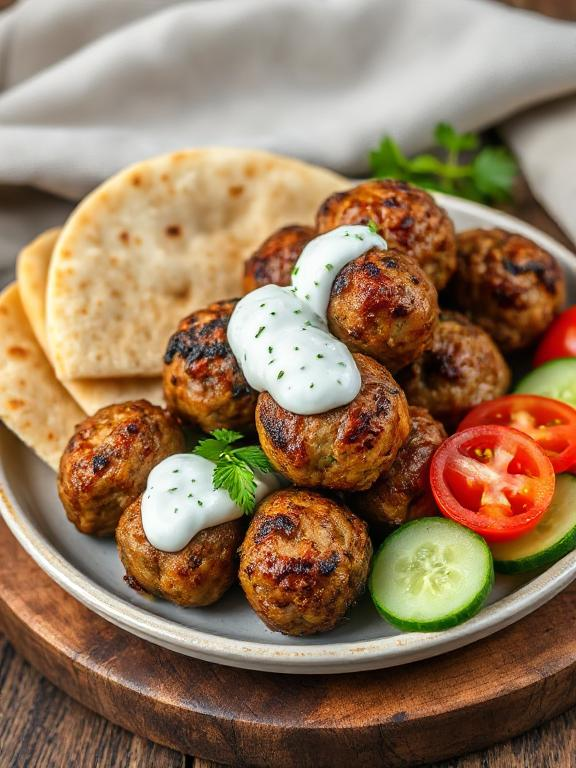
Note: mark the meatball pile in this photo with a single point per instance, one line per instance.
(359, 468)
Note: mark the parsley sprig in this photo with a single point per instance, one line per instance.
(487, 175)
(234, 470)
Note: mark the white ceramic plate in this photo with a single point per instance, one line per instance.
(229, 632)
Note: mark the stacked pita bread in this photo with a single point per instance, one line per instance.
(87, 322)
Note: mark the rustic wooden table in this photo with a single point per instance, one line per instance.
(42, 727)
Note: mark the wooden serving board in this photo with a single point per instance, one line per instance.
(423, 712)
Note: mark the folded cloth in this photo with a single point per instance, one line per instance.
(89, 87)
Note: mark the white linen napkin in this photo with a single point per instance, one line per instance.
(88, 86)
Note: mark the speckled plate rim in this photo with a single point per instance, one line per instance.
(329, 658)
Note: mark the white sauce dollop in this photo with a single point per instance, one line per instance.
(180, 500)
(280, 338)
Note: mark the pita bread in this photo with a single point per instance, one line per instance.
(91, 394)
(160, 239)
(33, 403)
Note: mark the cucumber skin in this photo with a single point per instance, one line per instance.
(447, 621)
(540, 560)
(559, 362)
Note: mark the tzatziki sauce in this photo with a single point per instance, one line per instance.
(280, 336)
(180, 500)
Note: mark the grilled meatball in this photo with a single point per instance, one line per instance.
(403, 492)
(346, 448)
(304, 561)
(274, 260)
(198, 574)
(383, 304)
(407, 218)
(203, 383)
(462, 367)
(508, 285)
(106, 464)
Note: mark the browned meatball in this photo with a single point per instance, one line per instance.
(508, 285)
(403, 492)
(383, 304)
(197, 575)
(346, 448)
(462, 367)
(304, 561)
(407, 218)
(106, 464)
(203, 383)
(274, 260)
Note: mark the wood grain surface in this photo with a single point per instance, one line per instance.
(41, 726)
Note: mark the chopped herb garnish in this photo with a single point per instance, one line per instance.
(308, 323)
(296, 349)
(295, 270)
(307, 297)
(262, 327)
(297, 311)
(312, 386)
(272, 313)
(319, 356)
(171, 490)
(200, 503)
(272, 361)
(373, 227)
(190, 495)
(338, 381)
(329, 267)
(270, 350)
(263, 305)
(280, 374)
(343, 365)
(316, 283)
(175, 471)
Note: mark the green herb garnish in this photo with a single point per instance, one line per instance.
(486, 176)
(234, 470)
(373, 227)
(262, 327)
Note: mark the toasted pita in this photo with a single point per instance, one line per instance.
(91, 394)
(33, 403)
(159, 240)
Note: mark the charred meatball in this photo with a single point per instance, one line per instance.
(403, 492)
(346, 448)
(203, 383)
(462, 367)
(274, 260)
(383, 304)
(107, 461)
(508, 285)
(407, 218)
(197, 575)
(304, 561)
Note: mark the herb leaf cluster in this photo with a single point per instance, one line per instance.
(487, 175)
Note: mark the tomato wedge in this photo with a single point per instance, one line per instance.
(492, 479)
(551, 423)
(559, 340)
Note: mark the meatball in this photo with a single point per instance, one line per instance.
(304, 561)
(407, 218)
(508, 285)
(198, 574)
(106, 464)
(462, 367)
(383, 304)
(203, 383)
(403, 492)
(274, 260)
(346, 448)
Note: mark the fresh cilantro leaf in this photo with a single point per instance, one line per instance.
(234, 467)
(488, 177)
(255, 457)
(210, 449)
(237, 479)
(388, 160)
(227, 435)
(373, 227)
(493, 172)
(447, 137)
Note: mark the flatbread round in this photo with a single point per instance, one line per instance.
(91, 394)
(33, 403)
(159, 240)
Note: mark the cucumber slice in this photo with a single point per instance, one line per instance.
(556, 379)
(431, 574)
(551, 539)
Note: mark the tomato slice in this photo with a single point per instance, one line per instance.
(559, 340)
(551, 423)
(492, 479)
